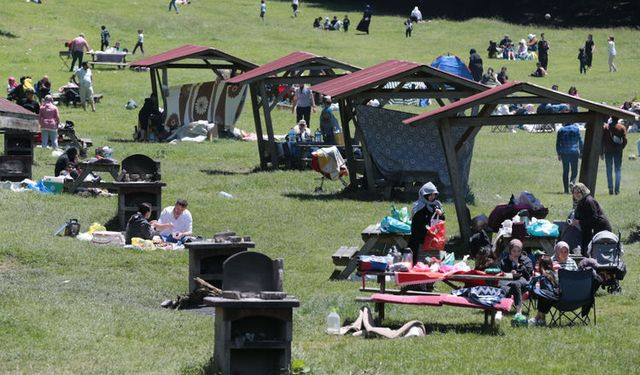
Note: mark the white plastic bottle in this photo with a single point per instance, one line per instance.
(224, 194)
(333, 323)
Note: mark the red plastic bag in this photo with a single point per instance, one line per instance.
(436, 237)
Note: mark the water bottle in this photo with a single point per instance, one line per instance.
(333, 323)
(317, 137)
(224, 194)
(407, 257)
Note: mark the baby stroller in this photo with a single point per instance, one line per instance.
(605, 248)
(329, 163)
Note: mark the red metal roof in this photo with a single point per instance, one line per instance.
(502, 91)
(188, 51)
(7, 106)
(285, 62)
(364, 77)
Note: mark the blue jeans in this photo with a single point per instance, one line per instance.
(172, 3)
(49, 134)
(569, 162)
(613, 159)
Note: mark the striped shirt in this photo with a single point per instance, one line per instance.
(569, 264)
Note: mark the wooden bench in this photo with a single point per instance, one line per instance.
(437, 300)
(343, 255)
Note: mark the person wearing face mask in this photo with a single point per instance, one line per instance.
(423, 210)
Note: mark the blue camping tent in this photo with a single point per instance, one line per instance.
(452, 64)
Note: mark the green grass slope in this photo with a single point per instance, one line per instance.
(72, 307)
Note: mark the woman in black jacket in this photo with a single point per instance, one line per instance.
(588, 215)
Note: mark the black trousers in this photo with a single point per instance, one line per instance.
(304, 113)
(76, 55)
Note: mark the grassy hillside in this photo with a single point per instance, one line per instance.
(71, 307)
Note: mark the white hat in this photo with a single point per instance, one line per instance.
(531, 36)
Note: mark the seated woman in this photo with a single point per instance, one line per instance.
(561, 258)
(139, 224)
(545, 288)
(149, 119)
(485, 258)
(303, 133)
(416, 15)
(67, 162)
(539, 72)
(490, 78)
(507, 52)
(519, 265)
(523, 52)
(493, 50)
(532, 43)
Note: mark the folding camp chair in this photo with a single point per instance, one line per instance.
(577, 297)
(64, 57)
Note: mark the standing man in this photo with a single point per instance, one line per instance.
(543, 52)
(85, 82)
(77, 47)
(475, 65)
(175, 222)
(303, 104)
(104, 38)
(295, 4)
(589, 48)
(263, 9)
(569, 149)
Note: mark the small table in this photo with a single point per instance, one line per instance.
(206, 258)
(375, 243)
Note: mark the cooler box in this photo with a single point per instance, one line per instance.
(55, 184)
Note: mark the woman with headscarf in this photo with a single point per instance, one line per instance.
(363, 26)
(416, 15)
(588, 214)
(49, 118)
(11, 84)
(475, 65)
(423, 211)
(67, 162)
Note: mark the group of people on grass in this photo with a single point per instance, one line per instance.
(333, 24)
(174, 225)
(542, 280)
(79, 45)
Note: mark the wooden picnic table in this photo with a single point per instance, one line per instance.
(86, 168)
(118, 59)
(381, 278)
(375, 243)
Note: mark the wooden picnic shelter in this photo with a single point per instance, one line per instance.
(392, 79)
(458, 114)
(189, 56)
(296, 68)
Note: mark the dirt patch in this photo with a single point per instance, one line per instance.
(8, 263)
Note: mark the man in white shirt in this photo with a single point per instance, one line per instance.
(175, 222)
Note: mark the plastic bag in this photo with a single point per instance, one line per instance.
(96, 227)
(391, 225)
(543, 228)
(401, 214)
(436, 236)
(449, 259)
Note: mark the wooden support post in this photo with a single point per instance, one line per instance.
(154, 83)
(273, 150)
(348, 142)
(444, 129)
(591, 152)
(255, 106)
(368, 163)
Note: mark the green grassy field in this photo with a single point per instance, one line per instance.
(72, 307)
